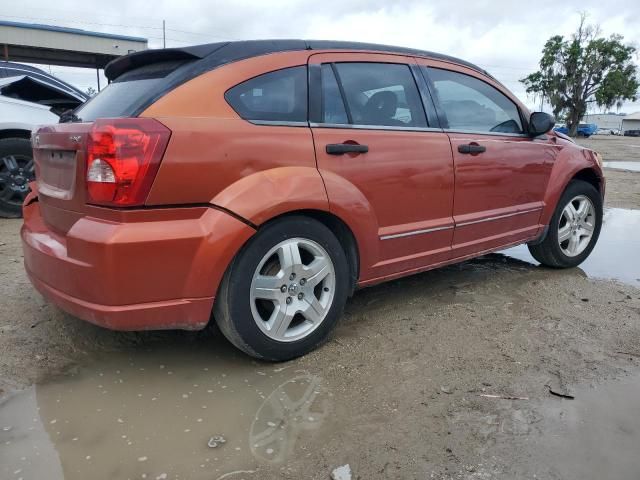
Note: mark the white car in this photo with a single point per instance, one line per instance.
(28, 97)
(608, 131)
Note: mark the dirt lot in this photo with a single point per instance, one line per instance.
(408, 387)
(613, 147)
(622, 188)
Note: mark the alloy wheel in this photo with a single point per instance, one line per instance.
(576, 226)
(16, 171)
(292, 289)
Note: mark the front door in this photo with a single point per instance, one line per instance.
(373, 133)
(501, 174)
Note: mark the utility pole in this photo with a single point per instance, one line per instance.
(164, 37)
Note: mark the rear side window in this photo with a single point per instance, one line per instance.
(121, 97)
(279, 96)
(471, 104)
(383, 94)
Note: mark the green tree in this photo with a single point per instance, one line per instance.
(584, 69)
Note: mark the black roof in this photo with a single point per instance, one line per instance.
(213, 55)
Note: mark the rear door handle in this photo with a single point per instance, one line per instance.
(472, 148)
(342, 148)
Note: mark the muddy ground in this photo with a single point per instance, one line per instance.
(396, 393)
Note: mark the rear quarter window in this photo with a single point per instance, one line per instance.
(279, 96)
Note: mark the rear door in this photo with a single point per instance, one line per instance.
(371, 129)
(501, 173)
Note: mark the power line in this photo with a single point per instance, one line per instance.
(83, 22)
(163, 38)
(510, 67)
(206, 35)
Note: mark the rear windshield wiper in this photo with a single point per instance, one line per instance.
(69, 117)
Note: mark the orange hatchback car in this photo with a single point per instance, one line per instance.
(260, 183)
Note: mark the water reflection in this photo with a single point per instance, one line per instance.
(294, 407)
(594, 436)
(153, 415)
(617, 253)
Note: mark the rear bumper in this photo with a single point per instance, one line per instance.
(156, 273)
(184, 314)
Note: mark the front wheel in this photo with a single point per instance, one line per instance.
(285, 291)
(574, 228)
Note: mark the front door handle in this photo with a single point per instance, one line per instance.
(472, 148)
(342, 148)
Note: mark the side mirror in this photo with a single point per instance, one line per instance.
(540, 123)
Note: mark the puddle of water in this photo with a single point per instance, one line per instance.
(153, 415)
(596, 435)
(619, 165)
(615, 256)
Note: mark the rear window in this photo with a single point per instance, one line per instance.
(123, 96)
(274, 96)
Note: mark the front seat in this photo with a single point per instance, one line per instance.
(380, 109)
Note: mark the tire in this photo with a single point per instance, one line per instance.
(551, 252)
(16, 171)
(249, 321)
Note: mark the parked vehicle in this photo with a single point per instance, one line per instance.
(264, 181)
(28, 97)
(607, 131)
(584, 129)
(632, 133)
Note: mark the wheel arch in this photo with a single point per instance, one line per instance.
(15, 133)
(265, 196)
(567, 169)
(588, 175)
(340, 229)
(548, 250)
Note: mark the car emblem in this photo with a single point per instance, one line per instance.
(75, 138)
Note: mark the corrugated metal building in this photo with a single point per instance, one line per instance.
(631, 122)
(604, 120)
(71, 47)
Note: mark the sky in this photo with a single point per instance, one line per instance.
(504, 37)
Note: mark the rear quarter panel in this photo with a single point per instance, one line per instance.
(255, 171)
(212, 148)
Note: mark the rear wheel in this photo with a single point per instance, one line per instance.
(285, 291)
(16, 171)
(574, 228)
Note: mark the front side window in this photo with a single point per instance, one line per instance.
(382, 94)
(274, 96)
(471, 104)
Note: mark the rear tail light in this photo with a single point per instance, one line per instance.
(123, 156)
